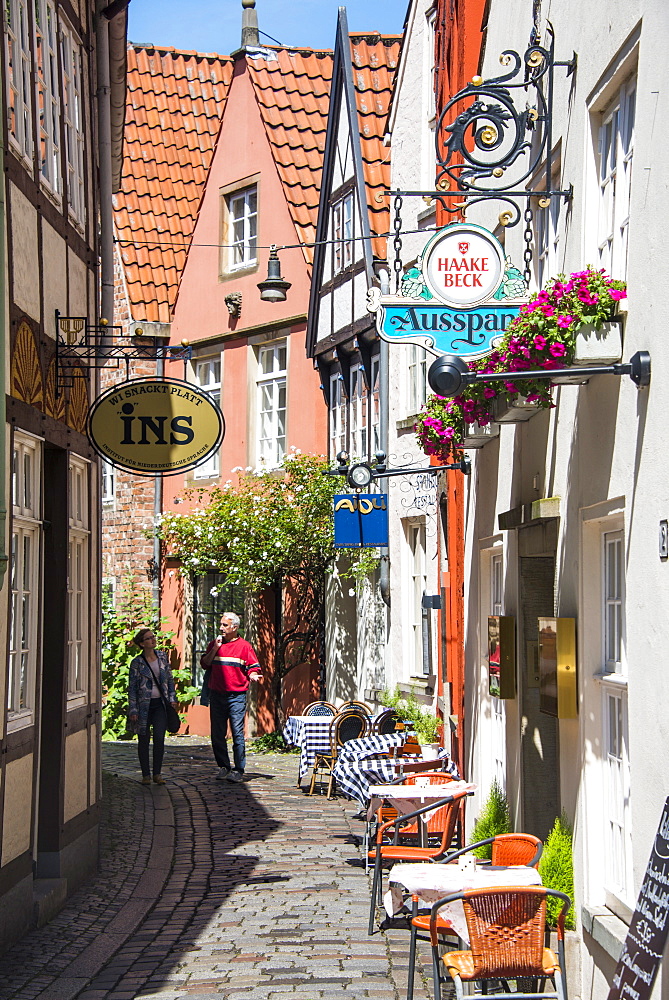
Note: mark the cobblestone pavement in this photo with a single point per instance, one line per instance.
(210, 889)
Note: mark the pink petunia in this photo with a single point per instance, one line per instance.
(565, 321)
(557, 350)
(618, 293)
(539, 342)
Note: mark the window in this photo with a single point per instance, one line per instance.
(208, 377)
(108, 482)
(19, 89)
(211, 598)
(242, 228)
(359, 409)
(78, 579)
(615, 151)
(417, 375)
(337, 415)
(47, 93)
(613, 601)
(73, 121)
(376, 405)
(547, 238)
(25, 579)
(271, 384)
(418, 654)
(342, 229)
(498, 707)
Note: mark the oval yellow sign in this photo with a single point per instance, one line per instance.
(155, 426)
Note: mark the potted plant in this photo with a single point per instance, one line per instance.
(425, 724)
(572, 322)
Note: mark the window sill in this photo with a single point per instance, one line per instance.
(611, 679)
(407, 424)
(76, 700)
(238, 272)
(422, 683)
(604, 927)
(20, 720)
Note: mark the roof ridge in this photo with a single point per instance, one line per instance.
(171, 50)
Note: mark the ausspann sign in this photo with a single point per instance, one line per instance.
(155, 426)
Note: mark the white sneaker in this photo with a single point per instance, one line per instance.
(235, 776)
(223, 772)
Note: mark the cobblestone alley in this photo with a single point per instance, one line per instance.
(208, 889)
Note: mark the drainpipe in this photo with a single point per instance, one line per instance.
(384, 376)
(103, 95)
(3, 406)
(157, 510)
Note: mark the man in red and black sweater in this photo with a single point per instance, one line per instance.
(232, 664)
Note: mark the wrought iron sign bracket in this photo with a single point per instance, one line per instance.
(82, 346)
(360, 474)
(495, 137)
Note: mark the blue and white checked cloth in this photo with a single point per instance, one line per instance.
(354, 777)
(369, 746)
(311, 733)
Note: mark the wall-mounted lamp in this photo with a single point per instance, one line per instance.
(360, 474)
(449, 373)
(273, 288)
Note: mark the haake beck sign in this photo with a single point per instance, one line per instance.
(155, 426)
(463, 266)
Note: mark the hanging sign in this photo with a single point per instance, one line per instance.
(155, 426)
(459, 298)
(642, 952)
(360, 520)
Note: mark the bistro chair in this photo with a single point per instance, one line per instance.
(441, 823)
(356, 706)
(507, 849)
(507, 929)
(344, 727)
(387, 722)
(320, 708)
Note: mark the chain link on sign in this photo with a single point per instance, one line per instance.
(397, 242)
(528, 236)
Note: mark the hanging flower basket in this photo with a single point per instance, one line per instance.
(556, 327)
(594, 347)
(477, 435)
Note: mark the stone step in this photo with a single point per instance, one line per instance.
(49, 895)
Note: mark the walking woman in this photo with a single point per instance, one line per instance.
(150, 681)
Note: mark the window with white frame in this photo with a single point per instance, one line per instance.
(271, 389)
(547, 238)
(417, 377)
(416, 539)
(48, 110)
(498, 707)
(242, 209)
(342, 233)
(107, 482)
(78, 578)
(376, 404)
(337, 415)
(208, 377)
(25, 578)
(73, 104)
(617, 786)
(614, 161)
(19, 88)
(359, 412)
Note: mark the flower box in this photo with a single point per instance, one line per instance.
(506, 411)
(476, 435)
(594, 348)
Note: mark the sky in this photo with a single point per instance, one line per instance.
(215, 25)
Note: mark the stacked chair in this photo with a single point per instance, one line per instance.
(347, 725)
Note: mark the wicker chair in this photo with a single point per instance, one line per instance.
(356, 706)
(320, 708)
(507, 849)
(440, 828)
(507, 928)
(344, 727)
(386, 722)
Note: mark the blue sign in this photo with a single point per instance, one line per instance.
(360, 520)
(469, 333)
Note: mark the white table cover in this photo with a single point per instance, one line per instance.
(408, 798)
(431, 882)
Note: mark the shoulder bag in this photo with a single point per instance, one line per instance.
(173, 719)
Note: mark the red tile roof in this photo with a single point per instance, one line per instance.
(374, 62)
(175, 103)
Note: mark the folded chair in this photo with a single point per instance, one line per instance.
(344, 727)
(441, 822)
(320, 708)
(506, 928)
(507, 849)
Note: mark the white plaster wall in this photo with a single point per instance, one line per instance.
(16, 819)
(76, 774)
(604, 443)
(55, 252)
(24, 253)
(78, 297)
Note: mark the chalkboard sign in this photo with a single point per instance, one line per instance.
(642, 951)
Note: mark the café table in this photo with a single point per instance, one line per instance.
(371, 746)
(356, 777)
(311, 733)
(431, 882)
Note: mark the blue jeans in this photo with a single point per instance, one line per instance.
(157, 721)
(228, 707)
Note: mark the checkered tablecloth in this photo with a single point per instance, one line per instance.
(311, 733)
(370, 746)
(354, 777)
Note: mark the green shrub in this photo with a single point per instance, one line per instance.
(121, 619)
(426, 724)
(556, 868)
(494, 819)
(271, 743)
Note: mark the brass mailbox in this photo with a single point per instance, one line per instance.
(557, 667)
(502, 656)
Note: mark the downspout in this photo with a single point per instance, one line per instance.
(3, 404)
(157, 510)
(103, 95)
(384, 379)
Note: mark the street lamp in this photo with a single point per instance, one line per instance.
(274, 287)
(360, 474)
